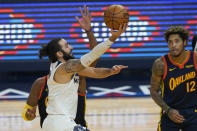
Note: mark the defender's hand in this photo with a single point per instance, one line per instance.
(31, 113)
(85, 21)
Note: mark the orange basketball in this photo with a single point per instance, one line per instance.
(115, 15)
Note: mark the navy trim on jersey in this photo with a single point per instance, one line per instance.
(42, 103)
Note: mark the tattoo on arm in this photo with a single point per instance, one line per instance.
(95, 72)
(73, 65)
(158, 70)
(158, 67)
(102, 72)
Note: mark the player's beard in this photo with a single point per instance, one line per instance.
(67, 56)
(178, 52)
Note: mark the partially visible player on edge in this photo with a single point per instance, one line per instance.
(63, 81)
(39, 91)
(176, 73)
(194, 43)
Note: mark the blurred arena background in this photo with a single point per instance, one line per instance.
(124, 100)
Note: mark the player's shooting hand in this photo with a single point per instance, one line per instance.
(117, 68)
(31, 113)
(85, 21)
(175, 116)
(116, 34)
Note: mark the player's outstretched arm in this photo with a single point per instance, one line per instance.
(29, 111)
(85, 23)
(101, 72)
(76, 65)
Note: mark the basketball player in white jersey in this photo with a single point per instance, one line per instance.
(39, 92)
(63, 80)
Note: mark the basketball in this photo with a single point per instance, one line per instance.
(115, 15)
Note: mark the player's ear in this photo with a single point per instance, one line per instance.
(59, 54)
(185, 42)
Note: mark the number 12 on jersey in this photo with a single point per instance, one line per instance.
(190, 86)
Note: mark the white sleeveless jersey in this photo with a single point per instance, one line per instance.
(62, 98)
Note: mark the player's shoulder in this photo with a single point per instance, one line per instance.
(159, 61)
(38, 83)
(158, 66)
(40, 80)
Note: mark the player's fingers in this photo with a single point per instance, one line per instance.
(88, 11)
(125, 26)
(27, 113)
(31, 118)
(81, 12)
(77, 19)
(123, 67)
(120, 67)
(32, 115)
(180, 117)
(115, 68)
(85, 10)
(33, 111)
(111, 30)
(34, 108)
(120, 28)
(178, 121)
(90, 16)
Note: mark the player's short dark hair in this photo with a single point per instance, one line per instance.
(182, 32)
(50, 50)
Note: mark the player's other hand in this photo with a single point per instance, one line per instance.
(117, 68)
(31, 113)
(85, 21)
(175, 116)
(116, 34)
